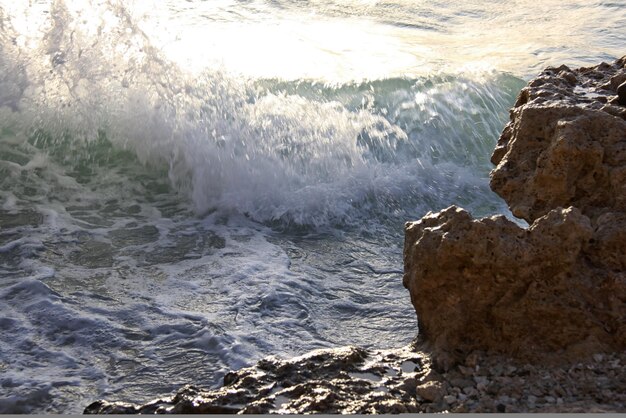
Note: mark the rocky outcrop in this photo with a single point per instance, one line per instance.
(491, 285)
(556, 290)
(351, 380)
(346, 380)
(565, 144)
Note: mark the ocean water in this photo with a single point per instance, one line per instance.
(187, 187)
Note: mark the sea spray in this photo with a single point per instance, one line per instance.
(265, 152)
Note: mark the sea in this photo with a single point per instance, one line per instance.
(187, 187)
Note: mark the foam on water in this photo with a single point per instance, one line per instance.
(160, 226)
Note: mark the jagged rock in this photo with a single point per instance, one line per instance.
(491, 284)
(351, 380)
(343, 380)
(553, 291)
(565, 144)
(607, 249)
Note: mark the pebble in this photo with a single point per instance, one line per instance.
(510, 370)
(560, 391)
(430, 391)
(496, 370)
(470, 391)
(471, 361)
(466, 371)
(481, 379)
(461, 382)
(493, 388)
(449, 399)
(459, 409)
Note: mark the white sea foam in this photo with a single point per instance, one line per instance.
(268, 153)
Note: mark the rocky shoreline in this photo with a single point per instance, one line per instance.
(511, 319)
(350, 380)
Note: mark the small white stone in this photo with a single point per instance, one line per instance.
(598, 357)
(449, 399)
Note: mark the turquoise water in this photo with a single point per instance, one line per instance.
(188, 187)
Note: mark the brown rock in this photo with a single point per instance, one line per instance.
(563, 147)
(555, 291)
(607, 249)
(491, 285)
(432, 391)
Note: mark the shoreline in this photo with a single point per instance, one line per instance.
(533, 345)
(350, 380)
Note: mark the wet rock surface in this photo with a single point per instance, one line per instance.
(555, 291)
(345, 380)
(349, 380)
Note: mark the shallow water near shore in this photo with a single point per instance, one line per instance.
(187, 188)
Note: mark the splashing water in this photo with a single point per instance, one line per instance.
(256, 149)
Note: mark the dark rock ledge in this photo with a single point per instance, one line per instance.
(343, 380)
(511, 319)
(349, 380)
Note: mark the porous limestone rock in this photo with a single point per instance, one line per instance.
(565, 144)
(490, 284)
(554, 291)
